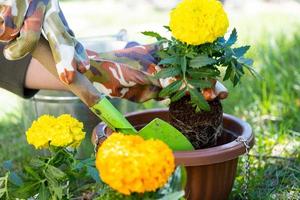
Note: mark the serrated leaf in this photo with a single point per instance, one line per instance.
(178, 95)
(240, 51)
(221, 40)
(201, 61)
(227, 73)
(191, 54)
(168, 72)
(27, 190)
(93, 172)
(167, 27)
(169, 61)
(234, 79)
(32, 172)
(58, 191)
(55, 172)
(44, 193)
(232, 38)
(162, 54)
(253, 72)
(183, 64)
(37, 163)
(203, 73)
(245, 61)
(152, 34)
(170, 89)
(15, 179)
(198, 99)
(200, 83)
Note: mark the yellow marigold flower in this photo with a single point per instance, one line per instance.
(60, 132)
(128, 163)
(198, 21)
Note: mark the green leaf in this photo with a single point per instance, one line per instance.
(176, 183)
(167, 27)
(174, 196)
(58, 191)
(32, 172)
(159, 129)
(153, 34)
(28, 189)
(178, 95)
(183, 63)
(93, 172)
(178, 179)
(169, 61)
(44, 192)
(36, 163)
(170, 89)
(162, 54)
(191, 54)
(15, 179)
(227, 73)
(203, 73)
(200, 83)
(240, 51)
(168, 72)
(198, 99)
(232, 38)
(201, 61)
(55, 172)
(245, 61)
(2, 191)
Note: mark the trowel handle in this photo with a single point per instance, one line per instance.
(80, 86)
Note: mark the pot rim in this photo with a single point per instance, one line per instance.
(212, 155)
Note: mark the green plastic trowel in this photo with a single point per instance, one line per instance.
(159, 129)
(101, 106)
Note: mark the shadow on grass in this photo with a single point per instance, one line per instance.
(276, 178)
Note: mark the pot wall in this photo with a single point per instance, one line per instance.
(211, 171)
(211, 182)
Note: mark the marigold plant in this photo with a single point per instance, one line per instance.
(198, 21)
(129, 164)
(198, 54)
(59, 132)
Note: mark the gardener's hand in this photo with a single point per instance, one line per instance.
(129, 73)
(21, 24)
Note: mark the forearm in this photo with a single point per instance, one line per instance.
(37, 77)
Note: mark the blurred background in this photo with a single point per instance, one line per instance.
(271, 105)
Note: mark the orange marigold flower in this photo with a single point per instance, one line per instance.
(128, 163)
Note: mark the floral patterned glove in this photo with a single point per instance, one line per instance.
(129, 74)
(21, 24)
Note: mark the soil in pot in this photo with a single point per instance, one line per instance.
(201, 128)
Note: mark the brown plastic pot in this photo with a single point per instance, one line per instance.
(211, 171)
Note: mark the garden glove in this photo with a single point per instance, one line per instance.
(21, 25)
(129, 74)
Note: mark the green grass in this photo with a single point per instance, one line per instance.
(272, 107)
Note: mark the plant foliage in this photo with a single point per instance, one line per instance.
(195, 66)
(55, 176)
